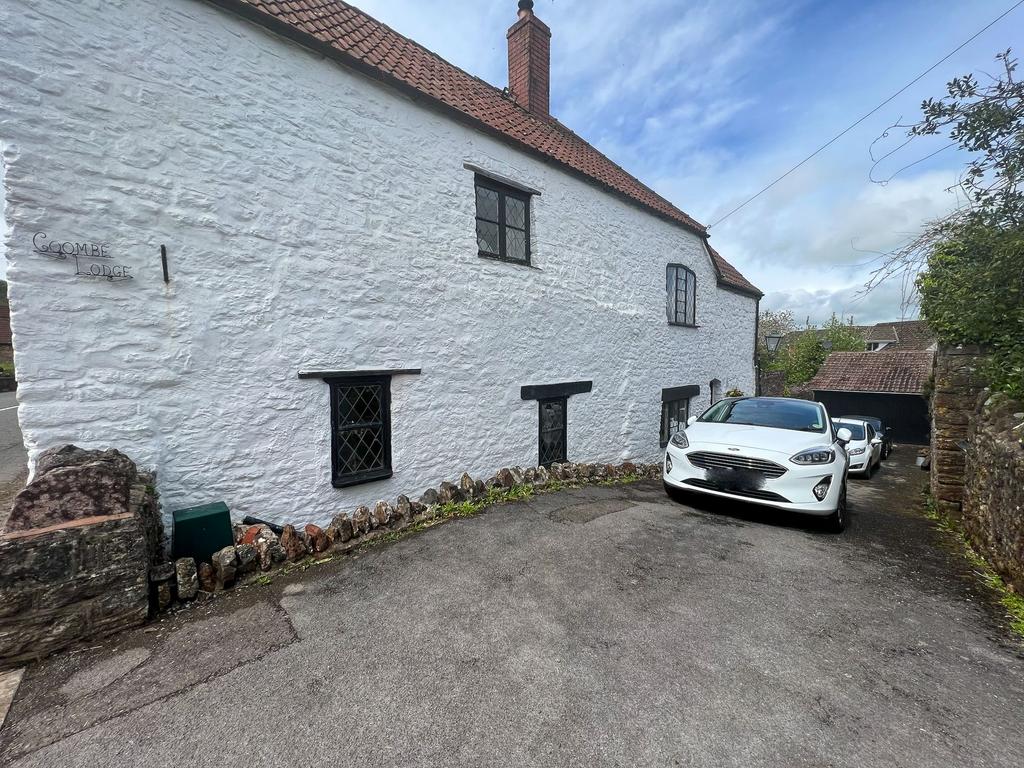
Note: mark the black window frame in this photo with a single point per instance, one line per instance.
(540, 430)
(666, 406)
(339, 478)
(671, 397)
(504, 191)
(672, 299)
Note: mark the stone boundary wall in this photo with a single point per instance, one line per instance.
(772, 383)
(958, 383)
(77, 580)
(993, 498)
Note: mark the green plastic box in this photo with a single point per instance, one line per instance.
(201, 531)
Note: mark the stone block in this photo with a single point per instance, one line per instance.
(187, 577)
(361, 521)
(79, 579)
(293, 544)
(340, 529)
(73, 484)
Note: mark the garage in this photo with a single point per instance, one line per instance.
(888, 385)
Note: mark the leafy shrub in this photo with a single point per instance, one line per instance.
(802, 359)
(973, 293)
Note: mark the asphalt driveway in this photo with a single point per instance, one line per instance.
(12, 451)
(598, 627)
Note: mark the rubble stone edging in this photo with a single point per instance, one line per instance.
(258, 549)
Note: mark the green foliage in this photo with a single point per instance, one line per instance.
(987, 120)
(973, 293)
(802, 359)
(771, 323)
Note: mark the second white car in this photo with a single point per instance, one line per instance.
(864, 448)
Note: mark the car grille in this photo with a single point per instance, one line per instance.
(763, 495)
(709, 460)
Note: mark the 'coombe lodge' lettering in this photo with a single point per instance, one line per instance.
(62, 250)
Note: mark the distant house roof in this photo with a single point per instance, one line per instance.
(896, 372)
(359, 41)
(901, 336)
(907, 335)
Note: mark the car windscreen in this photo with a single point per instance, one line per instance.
(780, 414)
(857, 430)
(876, 423)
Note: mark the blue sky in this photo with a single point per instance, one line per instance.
(708, 101)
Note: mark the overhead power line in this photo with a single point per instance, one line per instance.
(850, 127)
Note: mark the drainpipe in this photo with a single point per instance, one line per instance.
(757, 330)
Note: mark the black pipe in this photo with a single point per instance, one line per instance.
(163, 262)
(249, 520)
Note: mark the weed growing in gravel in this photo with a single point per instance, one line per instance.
(1011, 602)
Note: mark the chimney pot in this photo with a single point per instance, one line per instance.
(529, 61)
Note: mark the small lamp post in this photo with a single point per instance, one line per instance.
(772, 342)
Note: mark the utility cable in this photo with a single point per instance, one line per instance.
(845, 131)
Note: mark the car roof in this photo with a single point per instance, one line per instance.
(863, 418)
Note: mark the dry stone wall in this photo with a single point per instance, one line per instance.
(958, 382)
(993, 505)
(75, 565)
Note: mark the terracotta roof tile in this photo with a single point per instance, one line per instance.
(365, 42)
(906, 335)
(897, 372)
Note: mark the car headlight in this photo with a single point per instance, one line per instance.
(855, 451)
(814, 456)
(679, 440)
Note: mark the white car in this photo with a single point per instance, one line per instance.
(774, 451)
(864, 448)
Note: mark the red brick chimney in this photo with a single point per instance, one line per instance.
(529, 61)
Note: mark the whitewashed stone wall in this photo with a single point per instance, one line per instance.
(313, 220)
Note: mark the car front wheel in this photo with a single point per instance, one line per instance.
(836, 522)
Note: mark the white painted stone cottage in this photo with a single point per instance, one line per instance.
(291, 259)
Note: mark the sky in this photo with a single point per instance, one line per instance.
(707, 102)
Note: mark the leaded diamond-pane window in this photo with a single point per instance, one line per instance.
(681, 287)
(502, 221)
(360, 429)
(553, 436)
(674, 415)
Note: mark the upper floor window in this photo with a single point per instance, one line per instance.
(502, 221)
(360, 429)
(681, 285)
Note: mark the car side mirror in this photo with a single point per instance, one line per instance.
(690, 421)
(888, 429)
(876, 440)
(844, 435)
